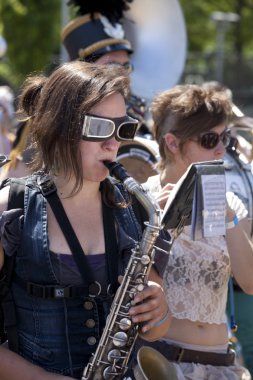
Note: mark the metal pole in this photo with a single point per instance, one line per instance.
(64, 20)
(222, 21)
(220, 49)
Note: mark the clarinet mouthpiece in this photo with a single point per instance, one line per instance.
(116, 170)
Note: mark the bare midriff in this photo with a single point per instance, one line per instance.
(205, 334)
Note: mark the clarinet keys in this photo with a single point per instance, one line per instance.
(125, 324)
(120, 339)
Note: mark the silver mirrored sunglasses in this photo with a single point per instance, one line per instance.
(97, 128)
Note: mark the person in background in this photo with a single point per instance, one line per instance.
(243, 303)
(95, 35)
(78, 118)
(96, 32)
(239, 155)
(20, 155)
(191, 125)
(7, 134)
(243, 127)
(240, 125)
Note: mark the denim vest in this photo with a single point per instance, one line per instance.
(57, 334)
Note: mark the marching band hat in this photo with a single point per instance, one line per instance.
(94, 33)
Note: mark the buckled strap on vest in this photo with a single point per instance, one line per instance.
(57, 292)
(46, 292)
(179, 354)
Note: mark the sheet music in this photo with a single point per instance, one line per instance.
(199, 197)
(214, 204)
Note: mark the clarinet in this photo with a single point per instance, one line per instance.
(120, 333)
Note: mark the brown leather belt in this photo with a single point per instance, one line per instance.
(179, 354)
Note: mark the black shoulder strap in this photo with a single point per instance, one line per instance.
(48, 190)
(16, 194)
(71, 237)
(8, 329)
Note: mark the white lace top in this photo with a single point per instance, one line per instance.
(196, 276)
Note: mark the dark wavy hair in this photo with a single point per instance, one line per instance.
(56, 107)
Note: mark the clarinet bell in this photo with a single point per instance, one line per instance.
(152, 365)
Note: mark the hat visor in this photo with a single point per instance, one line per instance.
(111, 48)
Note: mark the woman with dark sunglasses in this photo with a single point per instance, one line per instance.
(190, 125)
(74, 237)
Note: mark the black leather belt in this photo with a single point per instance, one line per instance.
(179, 354)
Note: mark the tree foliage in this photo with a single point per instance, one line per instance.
(31, 29)
(206, 45)
(202, 30)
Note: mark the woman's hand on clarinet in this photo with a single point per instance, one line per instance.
(149, 306)
(150, 309)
